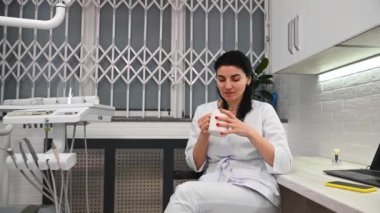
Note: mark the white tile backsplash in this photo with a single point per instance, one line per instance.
(341, 113)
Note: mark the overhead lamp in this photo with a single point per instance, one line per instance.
(350, 69)
(38, 24)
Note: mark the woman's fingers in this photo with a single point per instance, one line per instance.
(231, 123)
(228, 113)
(228, 118)
(204, 122)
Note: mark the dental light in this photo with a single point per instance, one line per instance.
(37, 24)
(350, 69)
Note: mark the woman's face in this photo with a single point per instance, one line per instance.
(231, 82)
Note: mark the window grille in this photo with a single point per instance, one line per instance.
(145, 57)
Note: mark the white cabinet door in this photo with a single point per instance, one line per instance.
(325, 23)
(281, 14)
(321, 25)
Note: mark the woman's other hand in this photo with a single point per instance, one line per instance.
(236, 126)
(204, 123)
(201, 147)
(233, 124)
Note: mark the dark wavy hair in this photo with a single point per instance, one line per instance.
(238, 59)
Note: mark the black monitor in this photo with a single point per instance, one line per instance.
(376, 160)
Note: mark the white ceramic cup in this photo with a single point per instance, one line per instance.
(213, 129)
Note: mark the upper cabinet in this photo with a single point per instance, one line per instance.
(300, 29)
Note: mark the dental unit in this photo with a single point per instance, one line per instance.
(54, 115)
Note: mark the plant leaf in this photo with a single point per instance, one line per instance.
(260, 80)
(267, 95)
(263, 77)
(256, 84)
(262, 65)
(266, 81)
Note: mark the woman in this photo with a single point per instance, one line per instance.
(240, 165)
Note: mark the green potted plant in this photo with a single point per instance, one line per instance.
(262, 82)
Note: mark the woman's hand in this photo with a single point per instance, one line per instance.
(201, 147)
(236, 126)
(204, 123)
(233, 124)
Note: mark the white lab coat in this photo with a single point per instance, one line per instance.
(235, 160)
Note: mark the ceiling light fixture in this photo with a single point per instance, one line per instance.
(350, 69)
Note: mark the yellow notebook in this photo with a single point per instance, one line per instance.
(351, 186)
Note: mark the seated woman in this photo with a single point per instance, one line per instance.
(241, 162)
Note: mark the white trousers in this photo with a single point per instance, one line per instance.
(217, 197)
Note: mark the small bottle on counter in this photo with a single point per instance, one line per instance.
(336, 161)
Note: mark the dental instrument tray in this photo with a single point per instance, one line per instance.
(26, 111)
(54, 114)
(60, 113)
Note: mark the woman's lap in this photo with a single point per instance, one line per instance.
(199, 196)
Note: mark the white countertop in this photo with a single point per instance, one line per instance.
(307, 178)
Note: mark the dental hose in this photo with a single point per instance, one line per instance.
(11, 154)
(35, 158)
(25, 158)
(54, 188)
(86, 170)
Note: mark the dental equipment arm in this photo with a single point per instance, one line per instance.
(7, 130)
(4, 186)
(38, 24)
